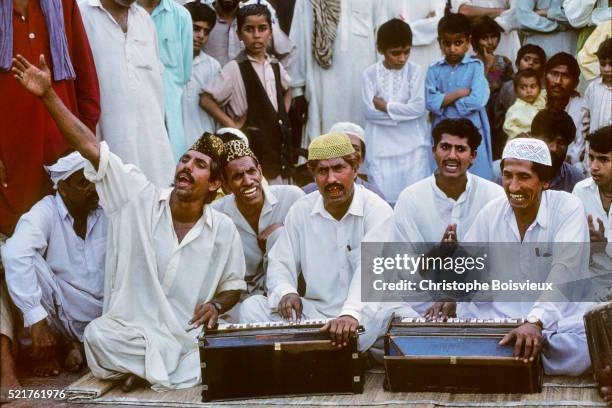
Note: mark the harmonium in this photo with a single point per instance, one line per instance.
(457, 355)
(598, 325)
(276, 358)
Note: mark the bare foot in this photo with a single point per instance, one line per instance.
(74, 357)
(131, 382)
(8, 376)
(606, 394)
(47, 368)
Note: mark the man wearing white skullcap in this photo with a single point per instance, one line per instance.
(54, 265)
(321, 241)
(356, 135)
(531, 214)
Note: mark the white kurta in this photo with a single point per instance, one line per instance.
(131, 90)
(425, 49)
(576, 108)
(333, 94)
(326, 251)
(153, 282)
(560, 219)
(509, 43)
(582, 13)
(51, 271)
(195, 119)
(277, 202)
(598, 101)
(398, 141)
(601, 260)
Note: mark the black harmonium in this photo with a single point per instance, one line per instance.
(276, 358)
(459, 355)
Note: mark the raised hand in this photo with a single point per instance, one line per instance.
(36, 81)
(596, 235)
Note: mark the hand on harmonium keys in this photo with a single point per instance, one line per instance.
(290, 307)
(441, 310)
(527, 341)
(341, 330)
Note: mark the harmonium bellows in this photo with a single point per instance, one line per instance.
(276, 358)
(456, 355)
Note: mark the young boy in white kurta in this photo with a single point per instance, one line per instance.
(205, 68)
(393, 96)
(598, 96)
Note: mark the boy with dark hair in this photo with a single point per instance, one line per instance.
(486, 34)
(394, 108)
(530, 100)
(456, 87)
(195, 120)
(253, 91)
(556, 128)
(598, 96)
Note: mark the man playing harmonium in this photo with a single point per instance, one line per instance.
(257, 209)
(532, 214)
(172, 261)
(321, 240)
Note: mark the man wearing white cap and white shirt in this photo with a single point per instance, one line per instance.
(321, 240)
(356, 135)
(54, 265)
(531, 214)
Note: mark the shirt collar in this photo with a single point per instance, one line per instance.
(356, 207)
(63, 210)
(270, 199)
(466, 58)
(164, 195)
(162, 6)
(462, 197)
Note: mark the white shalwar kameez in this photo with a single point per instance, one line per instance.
(560, 219)
(53, 273)
(131, 89)
(153, 282)
(509, 42)
(423, 17)
(277, 202)
(333, 94)
(326, 251)
(423, 212)
(398, 141)
(601, 260)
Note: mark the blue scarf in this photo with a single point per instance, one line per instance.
(54, 17)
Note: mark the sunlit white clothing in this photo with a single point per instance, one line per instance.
(153, 281)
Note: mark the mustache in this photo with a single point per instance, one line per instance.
(188, 175)
(330, 186)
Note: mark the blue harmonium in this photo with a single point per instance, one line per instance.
(456, 356)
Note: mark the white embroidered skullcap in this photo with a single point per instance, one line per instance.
(263, 3)
(235, 132)
(65, 167)
(533, 150)
(350, 129)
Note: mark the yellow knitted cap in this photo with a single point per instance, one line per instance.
(330, 146)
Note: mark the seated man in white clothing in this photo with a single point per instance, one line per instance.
(596, 196)
(443, 206)
(257, 209)
(530, 213)
(173, 263)
(54, 265)
(321, 240)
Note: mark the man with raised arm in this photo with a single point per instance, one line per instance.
(173, 263)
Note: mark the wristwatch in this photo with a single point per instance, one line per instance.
(535, 320)
(217, 306)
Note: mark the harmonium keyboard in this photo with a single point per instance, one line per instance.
(458, 355)
(276, 358)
